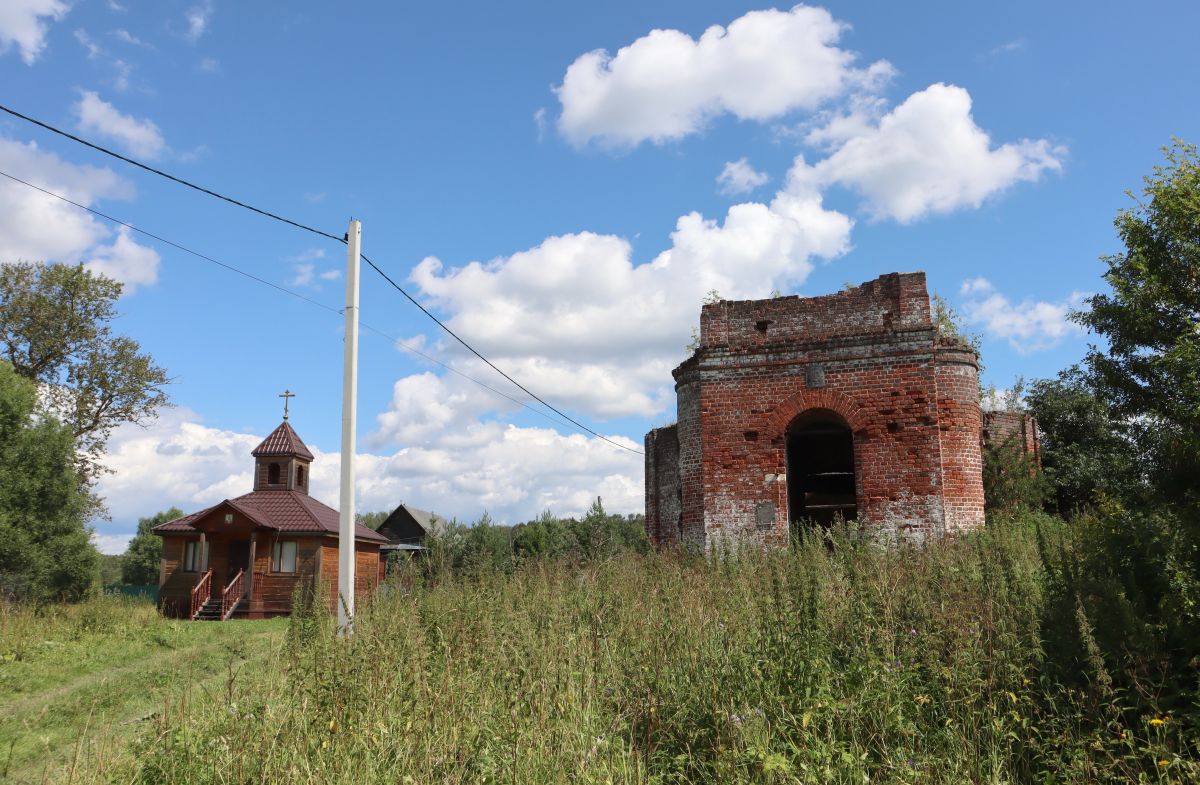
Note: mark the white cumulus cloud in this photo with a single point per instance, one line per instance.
(1028, 326)
(37, 227)
(34, 226)
(23, 25)
(132, 264)
(141, 138)
(667, 85)
(739, 177)
(928, 156)
(579, 321)
(112, 544)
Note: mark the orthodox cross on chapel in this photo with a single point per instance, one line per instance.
(285, 395)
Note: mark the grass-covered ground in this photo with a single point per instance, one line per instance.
(80, 683)
(967, 661)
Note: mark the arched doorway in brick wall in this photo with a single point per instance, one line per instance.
(820, 468)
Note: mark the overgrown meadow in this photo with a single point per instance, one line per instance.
(972, 660)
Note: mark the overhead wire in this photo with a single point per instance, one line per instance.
(490, 364)
(304, 227)
(283, 289)
(171, 243)
(167, 175)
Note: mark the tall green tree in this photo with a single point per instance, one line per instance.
(1086, 453)
(1138, 567)
(1150, 369)
(140, 564)
(45, 547)
(56, 331)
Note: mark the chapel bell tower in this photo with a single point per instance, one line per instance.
(281, 462)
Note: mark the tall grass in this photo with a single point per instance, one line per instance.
(833, 661)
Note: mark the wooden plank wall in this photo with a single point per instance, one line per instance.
(366, 571)
(316, 561)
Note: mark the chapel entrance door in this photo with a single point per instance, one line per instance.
(239, 559)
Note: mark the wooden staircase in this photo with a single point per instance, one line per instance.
(208, 607)
(212, 610)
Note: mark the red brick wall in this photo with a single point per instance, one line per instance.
(663, 494)
(911, 405)
(959, 422)
(999, 427)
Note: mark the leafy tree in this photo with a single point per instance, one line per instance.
(484, 547)
(600, 535)
(1150, 370)
(110, 568)
(547, 536)
(140, 564)
(1012, 479)
(1139, 571)
(373, 520)
(45, 547)
(1086, 454)
(55, 331)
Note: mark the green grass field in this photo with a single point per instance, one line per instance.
(841, 662)
(78, 684)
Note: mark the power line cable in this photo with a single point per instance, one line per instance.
(306, 228)
(173, 244)
(169, 176)
(284, 290)
(492, 365)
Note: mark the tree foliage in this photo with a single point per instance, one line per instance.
(45, 547)
(1122, 436)
(1150, 370)
(1086, 453)
(373, 520)
(55, 330)
(140, 564)
(488, 547)
(1012, 480)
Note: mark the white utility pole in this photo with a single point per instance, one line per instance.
(349, 420)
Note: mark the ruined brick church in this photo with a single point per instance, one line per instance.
(809, 408)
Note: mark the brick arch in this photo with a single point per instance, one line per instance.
(840, 403)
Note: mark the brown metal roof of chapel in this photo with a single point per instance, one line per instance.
(282, 441)
(285, 511)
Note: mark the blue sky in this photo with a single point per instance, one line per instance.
(549, 178)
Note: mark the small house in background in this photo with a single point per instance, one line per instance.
(406, 530)
(246, 556)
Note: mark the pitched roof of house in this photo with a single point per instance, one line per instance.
(431, 523)
(285, 511)
(397, 521)
(282, 441)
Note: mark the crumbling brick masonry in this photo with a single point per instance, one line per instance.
(1020, 427)
(797, 409)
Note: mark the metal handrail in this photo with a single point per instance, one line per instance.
(201, 594)
(232, 594)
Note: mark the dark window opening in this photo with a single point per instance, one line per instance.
(762, 324)
(820, 469)
(283, 556)
(300, 476)
(273, 474)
